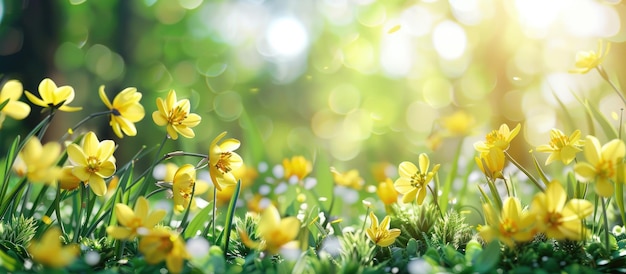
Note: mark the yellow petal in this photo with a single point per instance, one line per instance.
(97, 185)
(407, 169)
(16, 110)
(270, 219)
(103, 97)
(107, 169)
(159, 119)
(424, 162)
(46, 90)
(76, 155)
(230, 145)
(35, 100)
(117, 232)
(124, 214)
(142, 207)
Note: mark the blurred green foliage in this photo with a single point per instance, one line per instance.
(360, 81)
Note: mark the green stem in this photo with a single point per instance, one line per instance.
(435, 201)
(605, 225)
(26, 198)
(84, 120)
(148, 172)
(42, 192)
(520, 167)
(158, 190)
(12, 195)
(183, 222)
(605, 76)
(213, 215)
(230, 214)
(452, 174)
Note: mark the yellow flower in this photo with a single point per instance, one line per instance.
(413, 182)
(162, 244)
(175, 116)
(601, 165)
(588, 60)
(93, 161)
(562, 147)
(133, 222)
(223, 160)
(38, 162)
(558, 218)
(49, 251)
(273, 231)
(510, 226)
(381, 171)
(53, 96)
(459, 123)
(349, 179)
(381, 234)
(11, 92)
(125, 111)
(387, 192)
(67, 179)
(500, 139)
(298, 166)
(491, 163)
(182, 186)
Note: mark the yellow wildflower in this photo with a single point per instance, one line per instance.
(67, 179)
(510, 226)
(133, 222)
(500, 139)
(49, 251)
(558, 218)
(39, 162)
(125, 111)
(459, 123)
(182, 186)
(381, 234)
(175, 116)
(413, 182)
(93, 161)
(53, 97)
(588, 60)
(562, 147)
(11, 92)
(491, 163)
(601, 165)
(387, 192)
(223, 160)
(273, 231)
(349, 179)
(161, 244)
(297, 166)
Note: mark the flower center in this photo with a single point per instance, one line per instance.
(177, 116)
(559, 142)
(115, 112)
(553, 219)
(605, 169)
(418, 180)
(93, 164)
(223, 164)
(497, 139)
(508, 227)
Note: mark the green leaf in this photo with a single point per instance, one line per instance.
(4, 103)
(197, 223)
(230, 214)
(488, 258)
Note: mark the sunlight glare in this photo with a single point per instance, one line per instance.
(287, 37)
(450, 40)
